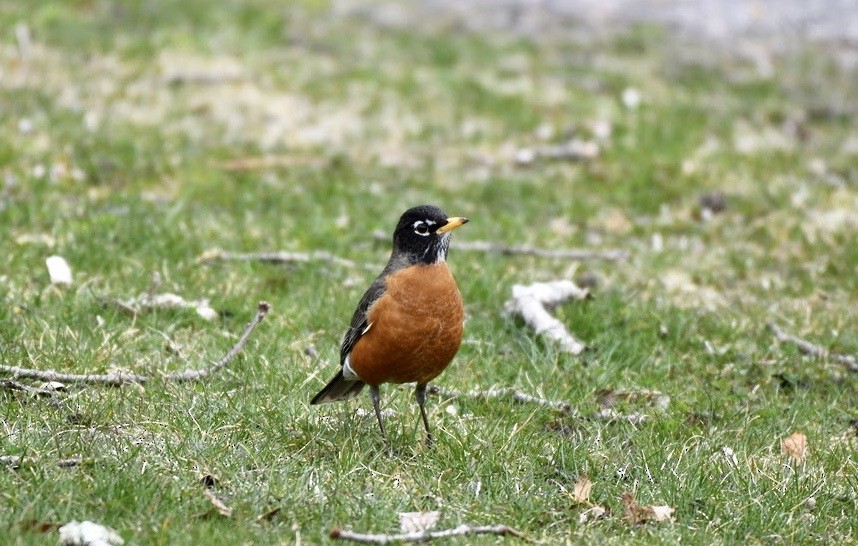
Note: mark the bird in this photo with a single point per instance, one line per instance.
(408, 325)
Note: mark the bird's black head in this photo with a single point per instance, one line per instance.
(423, 234)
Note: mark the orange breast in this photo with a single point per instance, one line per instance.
(416, 328)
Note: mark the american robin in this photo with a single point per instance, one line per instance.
(408, 325)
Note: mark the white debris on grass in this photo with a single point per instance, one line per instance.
(531, 302)
(59, 270)
(88, 533)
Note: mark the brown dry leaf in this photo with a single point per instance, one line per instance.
(37, 526)
(661, 513)
(581, 491)
(638, 515)
(591, 514)
(413, 522)
(218, 504)
(795, 445)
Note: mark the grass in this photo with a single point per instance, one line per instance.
(112, 144)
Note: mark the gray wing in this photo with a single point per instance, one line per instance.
(358, 326)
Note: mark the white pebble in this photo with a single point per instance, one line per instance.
(59, 270)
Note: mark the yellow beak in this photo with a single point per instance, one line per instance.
(452, 223)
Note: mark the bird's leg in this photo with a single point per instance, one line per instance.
(375, 395)
(420, 395)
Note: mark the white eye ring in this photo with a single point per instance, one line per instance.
(420, 228)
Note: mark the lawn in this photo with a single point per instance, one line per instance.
(137, 138)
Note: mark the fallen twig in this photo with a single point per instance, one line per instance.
(117, 379)
(607, 398)
(573, 150)
(554, 253)
(611, 254)
(513, 394)
(808, 348)
(15, 386)
(202, 79)
(610, 415)
(17, 461)
(149, 301)
(271, 162)
(605, 414)
(425, 536)
(531, 302)
(279, 257)
(218, 504)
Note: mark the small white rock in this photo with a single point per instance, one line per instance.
(414, 522)
(657, 242)
(601, 129)
(207, 312)
(25, 126)
(59, 270)
(729, 456)
(545, 131)
(631, 98)
(87, 533)
(525, 156)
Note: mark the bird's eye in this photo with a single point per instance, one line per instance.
(421, 229)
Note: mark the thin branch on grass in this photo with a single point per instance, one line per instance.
(8, 384)
(279, 257)
(531, 303)
(178, 79)
(605, 414)
(117, 379)
(16, 461)
(610, 254)
(553, 253)
(808, 348)
(426, 536)
(149, 301)
(271, 162)
(610, 415)
(507, 392)
(573, 150)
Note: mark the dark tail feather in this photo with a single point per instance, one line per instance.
(338, 388)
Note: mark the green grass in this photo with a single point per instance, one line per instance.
(107, 159)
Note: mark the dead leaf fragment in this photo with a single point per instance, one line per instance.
(37, 526)
(638, 515)
(661, 513)
(35, 239)
(591, 514)
(795, 445)
(59, 270)
(414, 522)
(88, 533)
(218, 504)
(581, 491)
